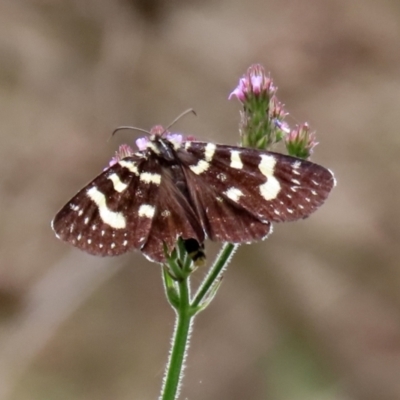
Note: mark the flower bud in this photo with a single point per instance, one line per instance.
(300, 142)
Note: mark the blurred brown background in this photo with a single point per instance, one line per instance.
(311, 313)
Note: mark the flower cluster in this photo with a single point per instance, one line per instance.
(254, 84)
(263, 116)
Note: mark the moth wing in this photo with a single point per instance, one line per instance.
(238, 191)
(112, 214)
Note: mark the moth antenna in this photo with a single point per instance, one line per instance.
(188, 111)
(133, 128)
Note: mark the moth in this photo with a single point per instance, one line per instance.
(174, 187)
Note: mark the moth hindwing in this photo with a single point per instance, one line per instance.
(174, 188)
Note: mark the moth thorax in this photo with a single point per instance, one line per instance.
(165, 149)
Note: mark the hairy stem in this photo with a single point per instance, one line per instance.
(177, 290)
(214, 274)
(180, 343)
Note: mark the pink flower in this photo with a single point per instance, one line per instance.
(276, 110)
(123, 151)
(300, 142)
(254, 82)
(257, 83)
(239, 91)
(141, 143)
(175, 138)
(157, 130)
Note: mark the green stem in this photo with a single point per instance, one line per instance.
(178, 294)
(180, 342)
(212, 277)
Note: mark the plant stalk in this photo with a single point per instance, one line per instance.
(180, 343)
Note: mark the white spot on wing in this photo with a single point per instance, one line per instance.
(114, 219)
(146, 210)
(200, 167)
(209, 151)
(236, 162)
(80, 212)
(112, 245)
(234, 194)
(130, 165)
(153, 147)
(295, 181)
(148, 177)
(125, 243)
(333, 177)
(270, 189)
(86, 221)
(222, 177)
(296, 165)
(176, 143)
(119, 186)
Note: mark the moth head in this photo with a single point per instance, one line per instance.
(157, 133)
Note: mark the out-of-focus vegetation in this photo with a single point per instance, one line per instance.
(316, 306)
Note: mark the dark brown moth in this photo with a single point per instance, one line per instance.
(174, 188)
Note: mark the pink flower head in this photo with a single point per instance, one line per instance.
(276, 109)
(175, 138)
(123, 151)
(254, 82)
(141, 143)
(157, 130)
(300, 142)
